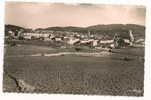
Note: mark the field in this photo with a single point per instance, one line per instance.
(120, 73)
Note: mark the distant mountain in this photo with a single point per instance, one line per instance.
(113, 27)
(13, 27)
(138, 30)
(68, 28)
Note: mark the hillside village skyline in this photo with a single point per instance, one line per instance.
(73, 35)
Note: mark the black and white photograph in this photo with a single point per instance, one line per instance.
(74, 48)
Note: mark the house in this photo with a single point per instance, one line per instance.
(106, 41)
(95, 42)
(123, 41)
(11, 33)
(72, 41)
(27, 37)
(32, 35)
(58, 39)
(118, 41)
(15, 34)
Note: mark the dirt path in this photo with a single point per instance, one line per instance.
(101, 54)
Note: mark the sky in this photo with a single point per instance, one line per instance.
(42, 15)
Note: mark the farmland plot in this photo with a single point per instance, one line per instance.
(109, 75)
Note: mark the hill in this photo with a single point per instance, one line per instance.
(138, 30)
(14, 29)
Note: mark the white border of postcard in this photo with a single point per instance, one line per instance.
(147, 82)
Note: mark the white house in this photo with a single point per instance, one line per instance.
(94, 42)
(106, 41)
(35, 35)
(72, 40)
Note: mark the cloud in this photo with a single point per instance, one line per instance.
(35, 15)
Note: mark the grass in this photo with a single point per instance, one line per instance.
(70, 74)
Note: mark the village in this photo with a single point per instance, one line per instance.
(67, 38)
